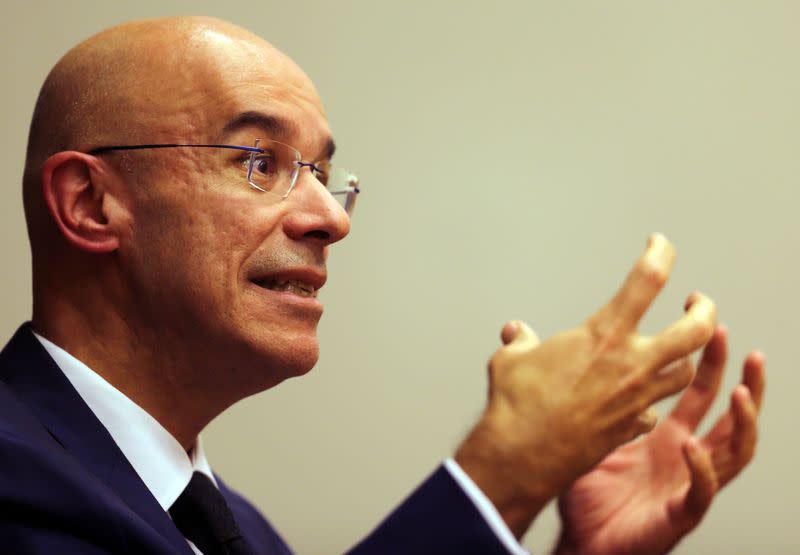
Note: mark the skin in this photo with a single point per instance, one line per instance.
(645, 496)
(144, 265)
(143, 260)
(561, 413)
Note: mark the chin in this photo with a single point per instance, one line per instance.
(289, 360)
(299, 364)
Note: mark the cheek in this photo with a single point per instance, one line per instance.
(206, 251)
(189, 241)
(183, 254)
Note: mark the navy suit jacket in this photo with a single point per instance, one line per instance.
(66, 488)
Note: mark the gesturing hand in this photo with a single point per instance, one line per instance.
(645, 496)
(557, 408)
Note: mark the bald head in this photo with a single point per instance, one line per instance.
(150, 81)
(122, 82)
(148, 247)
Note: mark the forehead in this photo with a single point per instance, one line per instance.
(274, 126)
(260, 90)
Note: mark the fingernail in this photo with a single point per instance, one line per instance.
(690, 300)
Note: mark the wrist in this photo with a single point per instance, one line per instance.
(516, 491)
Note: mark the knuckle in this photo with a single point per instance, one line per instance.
(648, 420)
(610, 333)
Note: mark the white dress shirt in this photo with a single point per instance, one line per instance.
(164, 466)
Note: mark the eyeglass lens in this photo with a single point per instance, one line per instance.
(276, 169)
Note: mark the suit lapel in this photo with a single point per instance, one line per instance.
(35, 378)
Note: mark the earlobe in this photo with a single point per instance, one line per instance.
(74, 192)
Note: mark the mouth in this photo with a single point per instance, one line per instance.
(294, 286)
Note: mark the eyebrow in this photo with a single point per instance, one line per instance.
(273, 126)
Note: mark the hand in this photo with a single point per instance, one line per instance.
(556, 409)
(645, 496)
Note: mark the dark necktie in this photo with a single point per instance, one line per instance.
(203, 516)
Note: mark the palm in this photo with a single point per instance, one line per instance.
(644, 496)
(622, 506)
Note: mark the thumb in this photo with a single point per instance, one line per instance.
(517, 331)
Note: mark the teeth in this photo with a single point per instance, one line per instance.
(292, 286)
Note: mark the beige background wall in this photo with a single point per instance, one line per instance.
(514, 156)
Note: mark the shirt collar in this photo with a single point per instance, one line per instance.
(155, 455)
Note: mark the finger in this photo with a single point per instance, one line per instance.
(688, 334)
(509, 331)
(733, 439)
(687, 512)
(518, 332)
(754, 376)
(745, 428)
(695, 402)
(642, 285)
(671, 379)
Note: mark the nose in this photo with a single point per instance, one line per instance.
(314, 213)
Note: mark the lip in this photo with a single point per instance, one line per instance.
(310, 276)
(286, 298)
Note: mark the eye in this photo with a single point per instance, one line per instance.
(265, 164)
(321, 171)
(320, 174)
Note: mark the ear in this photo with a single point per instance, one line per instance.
(73, 186)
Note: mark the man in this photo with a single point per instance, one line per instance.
(178, 198)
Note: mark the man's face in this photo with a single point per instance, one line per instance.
(222, 273)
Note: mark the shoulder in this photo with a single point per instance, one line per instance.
(43, 508)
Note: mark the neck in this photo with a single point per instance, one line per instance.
(144, 365)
